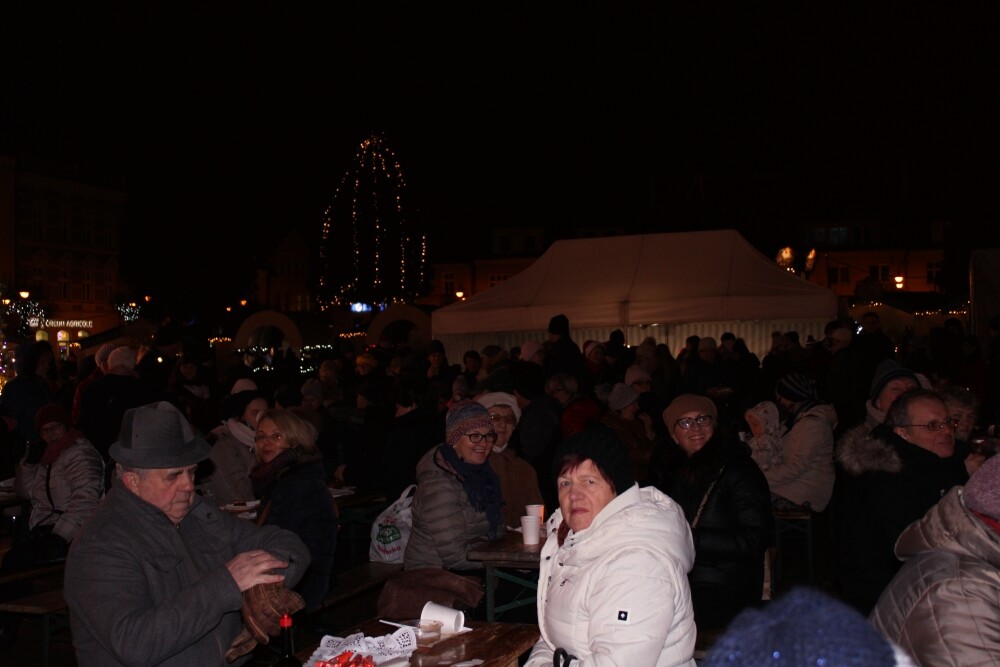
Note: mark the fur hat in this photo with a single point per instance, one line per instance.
(703, 405)
(559, 325)
(51, 412)
(124, 356)
(530, 348)
(982, 491)
(796, 387)
(803, 627)
(158, 436)
(462, 418)
(601, 445)
(887, 371)
(622, 396)
(500, 398)
(635, 373)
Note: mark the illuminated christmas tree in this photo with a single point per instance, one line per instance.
(368, 252)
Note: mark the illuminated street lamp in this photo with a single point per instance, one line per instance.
(899, 282)
(24, 294)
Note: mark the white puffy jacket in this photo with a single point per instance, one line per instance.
(616, 593)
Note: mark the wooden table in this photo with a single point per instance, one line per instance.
(505, 559)
(496, 644)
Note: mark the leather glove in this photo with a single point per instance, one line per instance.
(243, 644)
(263, 606)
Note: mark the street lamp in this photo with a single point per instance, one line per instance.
(24, 294)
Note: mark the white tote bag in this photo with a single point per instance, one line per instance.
(391, 530)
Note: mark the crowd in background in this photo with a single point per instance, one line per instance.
(818, 426)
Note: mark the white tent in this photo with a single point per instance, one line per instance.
(663, 285)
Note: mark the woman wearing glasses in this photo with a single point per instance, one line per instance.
(289, 482)
(726, 500)
(518, 481)
(458, 497)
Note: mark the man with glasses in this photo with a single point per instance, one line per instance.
(890, 478)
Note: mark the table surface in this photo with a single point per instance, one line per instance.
(508, 549)
(496, 644)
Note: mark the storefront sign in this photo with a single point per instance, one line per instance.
(36, 323)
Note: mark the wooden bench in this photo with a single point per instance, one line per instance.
(359, 579)
(49, 606)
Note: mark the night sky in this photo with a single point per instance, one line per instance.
(231, 122)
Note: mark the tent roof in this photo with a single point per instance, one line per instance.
(622, 281)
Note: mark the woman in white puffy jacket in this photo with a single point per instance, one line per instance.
(613, 588)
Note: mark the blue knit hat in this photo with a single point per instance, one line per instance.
(803, 627)
(462, 418)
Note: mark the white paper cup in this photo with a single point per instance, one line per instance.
(530, 529)
(452, 620)
(533, 510)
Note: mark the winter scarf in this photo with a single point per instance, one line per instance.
(264, 474)
(481, 484)
(242, 432)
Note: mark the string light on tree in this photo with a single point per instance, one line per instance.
(368, 251)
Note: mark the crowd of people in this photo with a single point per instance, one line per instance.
(659, 475)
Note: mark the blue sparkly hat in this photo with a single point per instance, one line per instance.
(803, 627)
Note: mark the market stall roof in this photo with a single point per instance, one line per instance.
(621, 281)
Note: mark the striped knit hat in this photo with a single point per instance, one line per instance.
(796, 387)
(462, 418)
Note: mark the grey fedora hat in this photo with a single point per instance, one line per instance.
(158, 436)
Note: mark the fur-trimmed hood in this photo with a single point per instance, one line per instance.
(862, 449)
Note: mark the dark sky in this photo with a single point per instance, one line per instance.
(233, 121)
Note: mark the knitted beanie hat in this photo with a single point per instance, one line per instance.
(462, 418)
(622, 396)
(636, 373)
(982, 491)
(500, 398)
(602, 446)
(559, 324)
(51, 412)
(796, 387)
(243, 384)
(803, 627)
(887, 371)
(703, 405)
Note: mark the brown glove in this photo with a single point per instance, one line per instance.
(243, 644)
(263, 606)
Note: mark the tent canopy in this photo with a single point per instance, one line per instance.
(641, 279)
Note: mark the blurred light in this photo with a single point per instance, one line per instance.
(24, 294)
(785, 257)
(359, 307)
(899, 282)
(460, 294)
(811, 260)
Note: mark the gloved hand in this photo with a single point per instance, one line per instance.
(35, 451)
(263, 607)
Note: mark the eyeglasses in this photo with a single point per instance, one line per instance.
(503, 418)
(51, 428)
(275, 438)
(935, 425)
(700, 420)
(490, 437)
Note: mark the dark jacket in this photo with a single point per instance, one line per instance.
(143, 591)
(298, 500)
(885, 483)
(734, 530)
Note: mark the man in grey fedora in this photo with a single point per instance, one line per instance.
(156, 576)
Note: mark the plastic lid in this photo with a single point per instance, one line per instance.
(286, 621)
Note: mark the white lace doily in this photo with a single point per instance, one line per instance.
(399, 644)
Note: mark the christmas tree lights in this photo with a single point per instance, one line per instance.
(368, 252)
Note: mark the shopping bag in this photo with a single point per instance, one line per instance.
(391, 530)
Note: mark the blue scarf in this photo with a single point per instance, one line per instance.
(482, 487)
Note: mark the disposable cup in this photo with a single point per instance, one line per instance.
(530, 529)
(533, 510)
